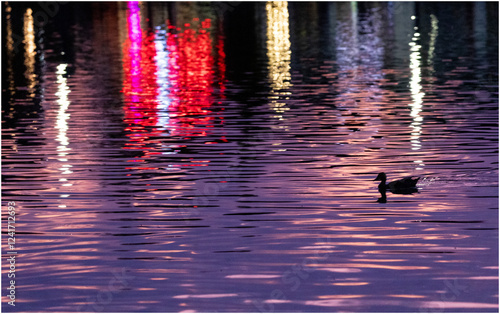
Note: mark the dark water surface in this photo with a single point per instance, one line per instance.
(224, 160)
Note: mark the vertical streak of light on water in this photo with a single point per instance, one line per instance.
(62, 125)
(162, 79)
(135, 35)
(278, 53)
(432, 42)
(62, 117)
(29, 51)
(354, 16)
(417, 94)
(347, 52)
(162, 59)
(10, 48)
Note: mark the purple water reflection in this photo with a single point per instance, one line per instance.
(194, 157)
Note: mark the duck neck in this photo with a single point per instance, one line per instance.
(382, 184)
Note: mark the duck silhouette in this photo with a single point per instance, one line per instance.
(407, 185)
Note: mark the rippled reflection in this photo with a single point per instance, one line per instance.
(416, 90)
(10, 48)
(162, 60)
(139, 86)
(152, 162)
(168, 86)
(29, 51)
(62, 116)
(432, 42)
(278, 54)
(191, 76)
(62, 127)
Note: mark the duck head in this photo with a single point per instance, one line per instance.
(381, 177)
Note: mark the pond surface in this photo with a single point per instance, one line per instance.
(203, 157)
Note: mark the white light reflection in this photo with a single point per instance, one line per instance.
(279, 54)
(162, 59)
(417, 94)
(10, 48)
(29, 51)
(432, 41)
(62, 124)
(62, 117)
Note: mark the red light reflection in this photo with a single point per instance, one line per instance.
(168, 82)
(221, 63)
(191, 67)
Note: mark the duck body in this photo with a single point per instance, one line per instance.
(407, 185)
